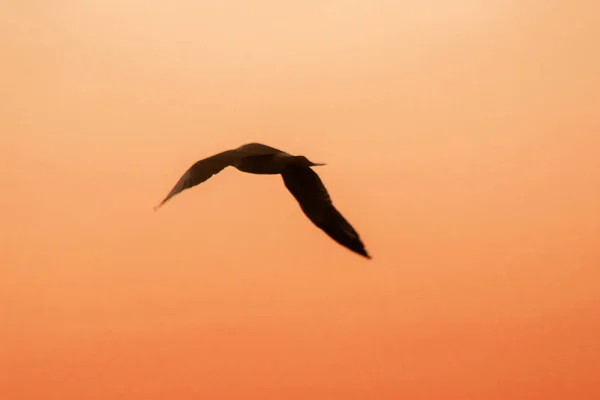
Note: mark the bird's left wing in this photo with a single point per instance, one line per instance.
(201, 171)
(308, 189)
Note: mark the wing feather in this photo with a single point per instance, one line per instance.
(204, 169)
(308, 189)
(201, 171)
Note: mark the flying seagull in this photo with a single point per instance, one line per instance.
(302, 182)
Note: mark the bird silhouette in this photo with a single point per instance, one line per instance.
(302, 182)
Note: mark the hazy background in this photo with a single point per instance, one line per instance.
(463, 143)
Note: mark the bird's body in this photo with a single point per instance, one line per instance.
(269, 164)
(304, 184)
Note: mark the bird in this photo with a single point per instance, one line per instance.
(298, 177)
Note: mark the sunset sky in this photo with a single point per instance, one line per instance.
(462, 141)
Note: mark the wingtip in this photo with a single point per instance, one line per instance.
(363, 253)
(162, 203)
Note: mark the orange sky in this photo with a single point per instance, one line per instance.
(463, 143)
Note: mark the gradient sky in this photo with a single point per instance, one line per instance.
(463, 143)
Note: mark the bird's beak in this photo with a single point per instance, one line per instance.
(318, 164)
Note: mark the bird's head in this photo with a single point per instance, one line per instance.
(302, 161)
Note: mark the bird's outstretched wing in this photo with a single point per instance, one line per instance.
(204, 169)
(201, 171)
(308, 189)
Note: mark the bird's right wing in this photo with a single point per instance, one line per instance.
(308, 189)
(201, 171)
